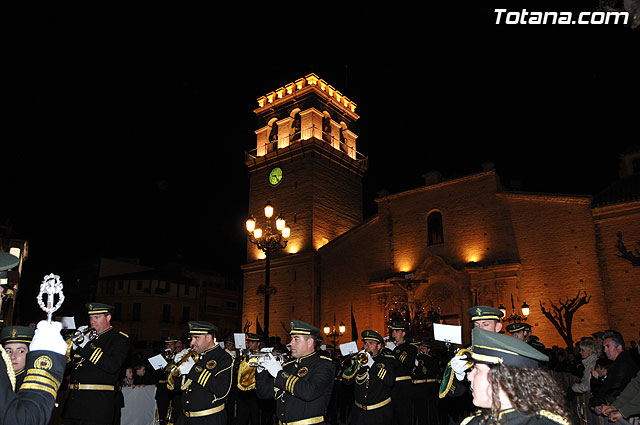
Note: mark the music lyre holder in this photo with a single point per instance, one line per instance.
(51, 285)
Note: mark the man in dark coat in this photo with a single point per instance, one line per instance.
(302, 386)
(372, 381)
(619, 373)
(207, 380)
(425, 379)
(95, 372)
(402, 391)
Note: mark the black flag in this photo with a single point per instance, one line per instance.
(354, 327)
(259, 330)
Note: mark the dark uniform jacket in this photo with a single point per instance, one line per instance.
(34, 402)
(302, 388)
(99, 363)
(372, 389)
(426, 370)
(401, 393)
(514, 417)
(406, 354)
(210, 385)
(20, 378)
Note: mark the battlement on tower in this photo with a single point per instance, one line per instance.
(309, 82)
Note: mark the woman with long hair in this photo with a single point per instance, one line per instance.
(508, 386)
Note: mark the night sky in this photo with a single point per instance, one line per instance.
(124, 136)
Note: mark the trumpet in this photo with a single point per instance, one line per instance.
(80, 334)
(174, 369)
(256, 359)
(362, 357)
(188, 354)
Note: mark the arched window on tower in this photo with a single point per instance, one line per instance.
(295, 127)
(326, 128)
(434, 228)
(343, 139)
(273, 137)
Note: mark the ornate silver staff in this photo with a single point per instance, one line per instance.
(51, 285)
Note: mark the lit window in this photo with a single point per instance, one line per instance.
(434, 228)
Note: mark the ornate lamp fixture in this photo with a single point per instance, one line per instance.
(269, 241)
(515, 317)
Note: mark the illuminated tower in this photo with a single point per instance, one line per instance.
(306, 164)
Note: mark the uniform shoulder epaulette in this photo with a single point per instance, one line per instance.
(553, 417)
(469, 418)
(122, 333)
(326, 358)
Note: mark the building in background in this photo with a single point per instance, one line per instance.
(19, 247)
(432, 252)
(151, 304)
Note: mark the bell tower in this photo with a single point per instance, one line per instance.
(306, 165)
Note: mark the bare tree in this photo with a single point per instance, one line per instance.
(632, 256)
(561, 315)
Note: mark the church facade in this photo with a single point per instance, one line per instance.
(432, 252)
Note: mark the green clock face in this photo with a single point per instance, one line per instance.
(275, 176)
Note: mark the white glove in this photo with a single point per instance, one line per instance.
(185, 367)
(47, 337)
(272, 365)
(458, 365)
(180, 355)
(369, 359)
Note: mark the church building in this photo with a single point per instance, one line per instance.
(429, 253)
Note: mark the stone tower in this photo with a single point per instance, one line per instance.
(306, 165)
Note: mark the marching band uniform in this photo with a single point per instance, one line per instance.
(450, 385)
(247, 401)
(493, 348)
(208, 383)
(515, 417)
(20, 335)
(402, 391)
(163, 395)
(94, 384)
(303, 386)
(425, 386)
(372, 389)
(33, 404)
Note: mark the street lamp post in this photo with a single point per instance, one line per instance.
(268, 241)
(335, 332)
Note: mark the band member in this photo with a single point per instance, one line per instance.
(373, 374)
(44, 365)
(95, 372)
(248, 411)
(425, 379)
(302, 386)
(207, 380)
(16, 340)
(454, 382)
(401, 393)
(508, 385)
(163, 395)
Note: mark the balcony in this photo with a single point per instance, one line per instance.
(327, 142)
